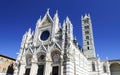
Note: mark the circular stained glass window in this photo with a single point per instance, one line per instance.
(45, 35)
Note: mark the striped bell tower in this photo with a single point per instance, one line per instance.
(88, 40)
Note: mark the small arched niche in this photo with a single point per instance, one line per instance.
(104, 68)
(55, 56)
(41, 56)
(28, 59)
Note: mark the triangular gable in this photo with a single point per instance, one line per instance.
(41, 49)
(28, 51)
(46, 19)
(57, 46)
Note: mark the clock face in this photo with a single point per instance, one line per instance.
(45, 35)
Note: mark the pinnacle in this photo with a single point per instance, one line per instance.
(48, 10)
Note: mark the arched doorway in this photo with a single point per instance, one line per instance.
(115, 69)
(56, 62)
(28, 64)
(41, 56)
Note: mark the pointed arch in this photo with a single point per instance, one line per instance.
(10, 69)
(115, 69)
(41, 56)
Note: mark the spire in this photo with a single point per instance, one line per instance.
(68, 22)
(89, 15)
(69, 28)
(82, 17)
(56, 14)
(56, 22)
(32, 33)
(75, 38)
(64, 28)
(67, 18)
(47, 13)
(39, 20)
(29, 36)
(23, 40)
(29, 32)
(48, 10)
(63, 35)
(85, 16)
(64, 25)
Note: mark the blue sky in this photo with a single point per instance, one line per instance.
(16, 16)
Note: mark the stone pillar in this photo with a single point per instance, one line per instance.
(61, 65)
(34, 69)
(108, 68)
(48, 66)
(61, 69)
(22, 70)
(16, 69)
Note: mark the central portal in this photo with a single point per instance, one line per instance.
(55, 70)
(27, 72)
(40, 70)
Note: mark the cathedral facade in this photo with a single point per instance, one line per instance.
(53, 50)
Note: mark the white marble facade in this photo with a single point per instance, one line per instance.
(52, 50)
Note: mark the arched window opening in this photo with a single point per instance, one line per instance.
(86, 21)
(93, 66)
(104, 69)
(87, 37)
(88, 48)
(86, 32)
(28, 60)
(86, 27)
(88, 43)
